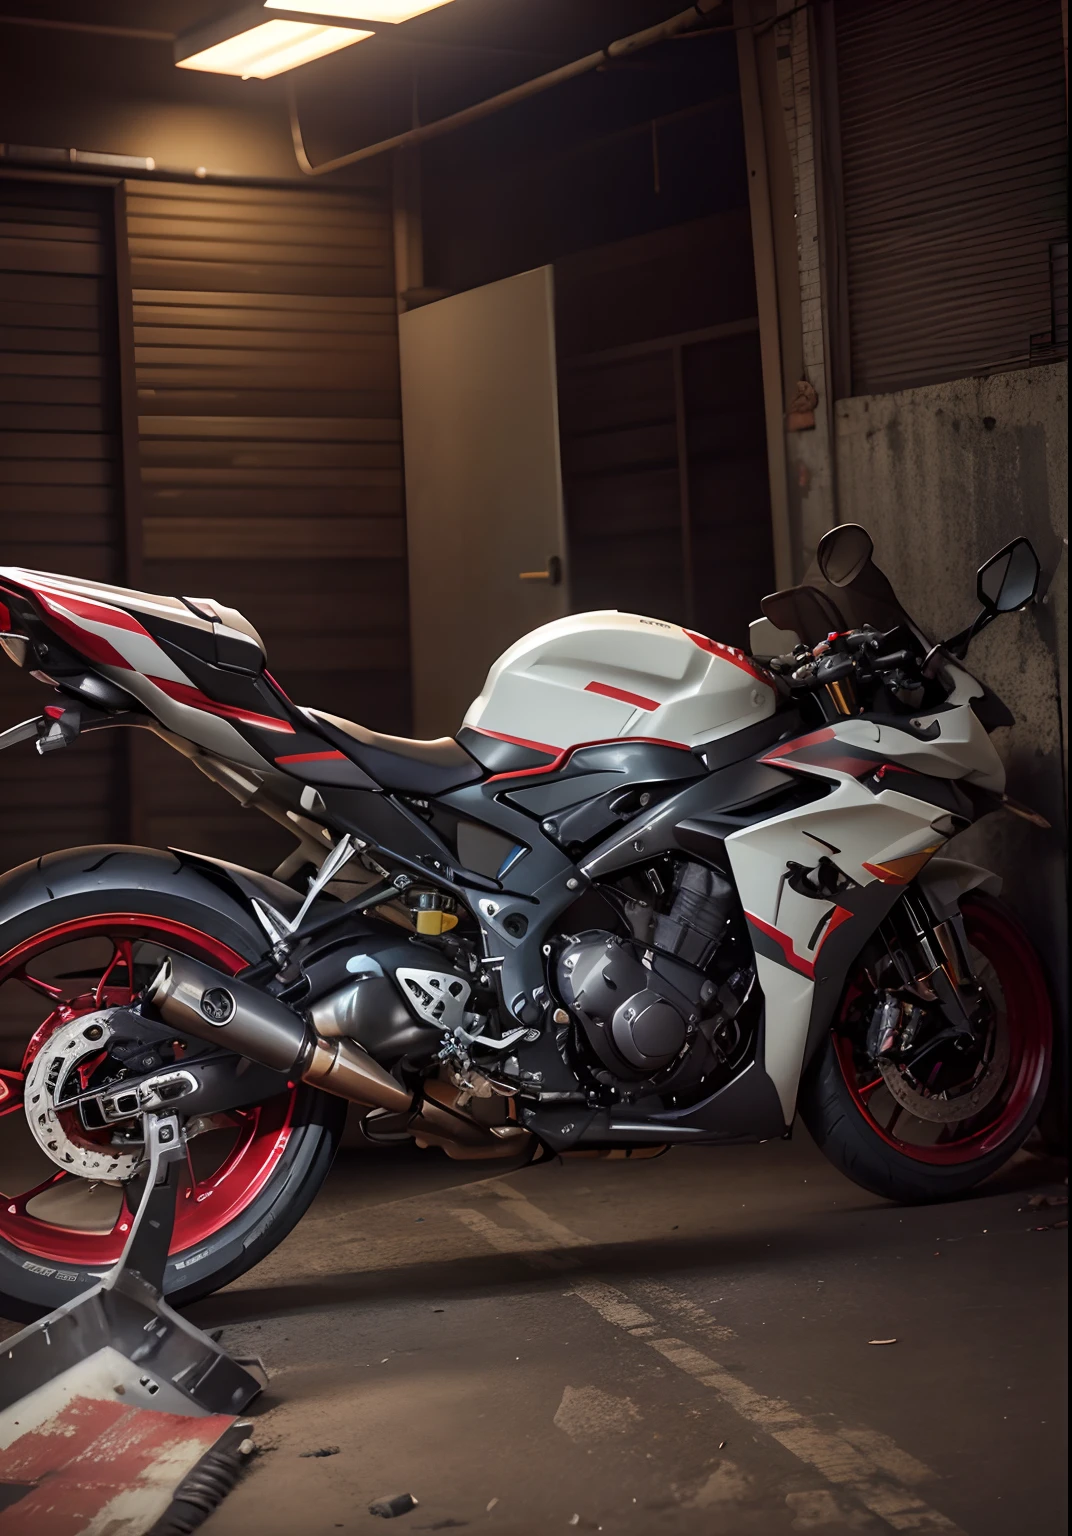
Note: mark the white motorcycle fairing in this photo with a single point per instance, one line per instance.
(879, 840)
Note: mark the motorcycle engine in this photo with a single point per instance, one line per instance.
(644, 1004)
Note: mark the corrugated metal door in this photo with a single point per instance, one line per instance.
(263, 447)
(953, 149)
(269, 435)
(60, 485)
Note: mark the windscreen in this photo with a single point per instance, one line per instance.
(816, 608)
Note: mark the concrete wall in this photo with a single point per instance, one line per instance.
(942, 477)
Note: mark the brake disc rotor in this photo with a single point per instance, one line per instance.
(58, 1132)
(975, 1095)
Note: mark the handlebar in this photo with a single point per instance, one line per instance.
(844, 662)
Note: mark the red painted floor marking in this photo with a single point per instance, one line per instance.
(93, 1451)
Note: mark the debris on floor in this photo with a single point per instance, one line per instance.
(882, 1341)
(324, 1450)
(1037, 1202)
(398, 1504)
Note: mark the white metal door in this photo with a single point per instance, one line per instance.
(483, 485)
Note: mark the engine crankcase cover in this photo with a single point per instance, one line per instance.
(634, 1019)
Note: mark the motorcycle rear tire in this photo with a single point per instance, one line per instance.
(85, 883)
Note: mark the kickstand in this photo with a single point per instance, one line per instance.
(148, 1352)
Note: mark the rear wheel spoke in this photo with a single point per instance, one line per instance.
(43, 988)
(122, 954)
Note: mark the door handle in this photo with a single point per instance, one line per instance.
(552, 575)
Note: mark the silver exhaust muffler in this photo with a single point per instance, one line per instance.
(200, 1001)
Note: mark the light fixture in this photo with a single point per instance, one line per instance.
(257, 46)
(254, 47)
(359, 10)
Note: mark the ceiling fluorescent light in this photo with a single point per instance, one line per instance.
(248, 45)
(359, 10)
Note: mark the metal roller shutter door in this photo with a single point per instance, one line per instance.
(61, 503)
(953, 149)
(269, 438)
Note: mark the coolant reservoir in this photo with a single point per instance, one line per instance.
(598, 676)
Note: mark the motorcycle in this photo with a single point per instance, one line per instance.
(657, 891)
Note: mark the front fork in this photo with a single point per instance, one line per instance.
(931, 959)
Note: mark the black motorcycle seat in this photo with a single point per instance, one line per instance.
(398, 762)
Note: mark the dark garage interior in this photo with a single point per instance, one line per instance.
(351, 350)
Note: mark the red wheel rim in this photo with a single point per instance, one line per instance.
(211, 1197)
(1029, 1024)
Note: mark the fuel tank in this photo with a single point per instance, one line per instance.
(599, 676)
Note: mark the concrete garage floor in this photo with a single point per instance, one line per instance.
(671, 1346)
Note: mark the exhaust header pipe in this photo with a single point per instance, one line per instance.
(197, 1000)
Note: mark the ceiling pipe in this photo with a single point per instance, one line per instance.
(622, 48)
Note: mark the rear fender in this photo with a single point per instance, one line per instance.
(251, 886)
(115, 877)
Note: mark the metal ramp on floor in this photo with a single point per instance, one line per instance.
(116, 1413)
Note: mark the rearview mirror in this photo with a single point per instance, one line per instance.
(843, 553)
(1009, 580)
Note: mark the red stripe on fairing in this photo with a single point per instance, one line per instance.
(789, 747)
(735, 657)
(804, 749)
(314, 757)
(567, 752)
(795, 962)
(886, 876)
(100, 613)
(519, 741)
(85, 642)
(621, 694)
(855, 767)
(841, 915)
(63, 610)
(182, 693)
(277, 686)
